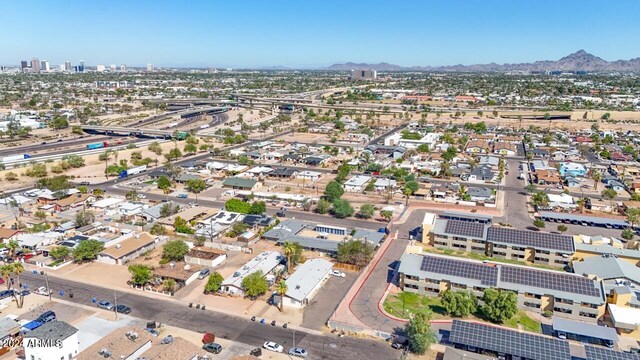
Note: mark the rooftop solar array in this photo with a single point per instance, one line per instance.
(601, 353)
(465, 228)
(533, 239)
(550, 280)
(486, 274)
(511, 342)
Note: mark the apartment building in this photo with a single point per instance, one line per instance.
(544, 291)
(500, 242)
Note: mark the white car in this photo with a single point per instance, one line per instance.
(270, 345)
(142, 196)
(42, 290)
(338, 273)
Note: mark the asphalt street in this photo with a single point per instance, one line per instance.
(234, 328)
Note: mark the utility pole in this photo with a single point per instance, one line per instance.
(294, 336)
(46, 279)
(115, 301)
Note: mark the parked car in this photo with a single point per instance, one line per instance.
(5, 294)
(105, 305)
(123, 309)
(153, 332)
(42, 290)
(281, 214)
(214, 348)
(338, 273)
(142, 196)
(298, 352)
(182, 196)
(562, 335)
(203, 274)
(271, 346)
(84, 183)
(46, 317)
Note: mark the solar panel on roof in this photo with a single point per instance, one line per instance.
(510, 342)
(486, 274)
(601, 353)
(531, 238)
(549, 280)
(464, 228)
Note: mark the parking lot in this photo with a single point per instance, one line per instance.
(318, 311)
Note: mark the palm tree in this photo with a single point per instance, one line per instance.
(13, 245)
(18, 268)
(281, 289)
(5, 272)
(289, 250)
(596, 176)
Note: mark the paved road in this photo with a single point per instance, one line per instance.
(52, 144)
(226, 326)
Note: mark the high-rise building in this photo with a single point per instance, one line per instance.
(149, 67)
(23, 65)
(100, 67)
(62, 68)
(35, 65)
(44, 65)
(362, 74)
(123, 67)
(80, 67)
(212, 70)
(67, 66)
(112, 67)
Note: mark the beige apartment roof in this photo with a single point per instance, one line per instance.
(179, 349)
(117, 343)
(129, 246)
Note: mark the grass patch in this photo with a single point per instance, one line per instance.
(527, 323)
(393, 305)
(56, 263)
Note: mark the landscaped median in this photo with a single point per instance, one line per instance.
(402, 305)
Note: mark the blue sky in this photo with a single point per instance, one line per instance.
(308, 33)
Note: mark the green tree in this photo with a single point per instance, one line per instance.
(499, 305)
(158, 229)
(84, 218)
(173, 154)
(169, 285)
(342, 208)
(386, 214)
(281, 289)
(540, 199)
(164, 184)
(196, 186)
(213, 283)
(628, 234)
(323, 206)
(13, 246)
(610, 195)
(156, 148)
(37, 170)
(87, 250)
(355, 252)
(596, 176)
(180, 225)
(59, 122)
(40, 215)
(333, 191)
(175, 250)
(131, 195)
(562, 228)
(5, 273)
(459, 303)
(367, 211)
(255, 285)
(257, 208)
(140, 274)
(419, 332)
(237, 205)
(59, 252)
(190, 149)
(411, 186)
(292, 251)
(11, 176)
(539, 223)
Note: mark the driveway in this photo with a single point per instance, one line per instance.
(95, 328)
(318, 311)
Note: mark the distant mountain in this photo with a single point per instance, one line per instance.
(578, 61)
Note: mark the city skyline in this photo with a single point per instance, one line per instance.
(312, 35)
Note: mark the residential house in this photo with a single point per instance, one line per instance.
(571, 181)
(306, 282)
(268, 262)
(52, 340)
(7, 234)
(317, 160)
(572, 169)
(481, 174)
(72, 202)
(384, 184)
(183, 274)
(283, 173)
(130, 248)
(154, 213)
(394, 152)
(477, 147)
(547, 177)
(205, 257)
(309, 175)
(356, 183)
(480, 194)
(129, 210)
(504, 148)
(240, 183)
(122, 343)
